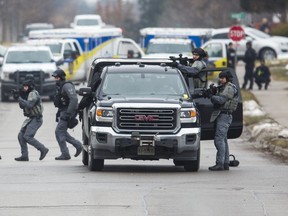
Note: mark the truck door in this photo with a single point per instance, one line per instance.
(217, 53)
(127, 49)
(205, 108)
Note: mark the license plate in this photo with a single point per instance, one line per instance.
(146, 150)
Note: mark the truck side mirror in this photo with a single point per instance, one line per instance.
(85, 91)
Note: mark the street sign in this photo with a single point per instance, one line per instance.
(236, 33)
(238, 16)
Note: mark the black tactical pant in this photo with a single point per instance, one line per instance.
(248, 76)
(223, 123)
(63, 136)
(26, 135)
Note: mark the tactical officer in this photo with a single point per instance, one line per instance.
(249, 59)
(231, 55)
(225, 101)
(196, 65)
(32, 109)
(67, 103)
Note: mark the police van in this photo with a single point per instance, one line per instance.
(95, 43)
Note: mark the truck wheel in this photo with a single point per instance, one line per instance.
(4, 98)
(84, 157)
(94, 164)
(192, 165)
(84, 153)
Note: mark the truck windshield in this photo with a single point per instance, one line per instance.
(143, 84)
(28, 57)
(168, 48)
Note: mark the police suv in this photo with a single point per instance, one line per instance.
(145, 110)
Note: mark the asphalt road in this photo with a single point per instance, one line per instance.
(155, 188)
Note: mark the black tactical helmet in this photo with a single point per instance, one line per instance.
(200, 52)
(29, 81)
(227, 74)
(59, 73)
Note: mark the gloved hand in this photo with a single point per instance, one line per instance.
(174, 64)
(21, 103)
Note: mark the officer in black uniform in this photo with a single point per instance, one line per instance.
(249, 59)
(67, 103)
(225, 101)
(31, 104)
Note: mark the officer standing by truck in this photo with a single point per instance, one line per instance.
(225, 101)
(30, 102)
(67, 103)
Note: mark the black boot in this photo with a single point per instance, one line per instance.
(217, 167)
(226, 166)
(22, 158)
(63, 157)
(43, 154)
(78, 151)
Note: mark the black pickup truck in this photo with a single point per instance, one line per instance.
(144, 110)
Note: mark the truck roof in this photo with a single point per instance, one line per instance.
(69, 32)
(170, 41)
(174, 32)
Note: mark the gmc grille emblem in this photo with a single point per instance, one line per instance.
(146, 117)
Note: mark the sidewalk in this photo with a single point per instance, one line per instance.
(274, 101)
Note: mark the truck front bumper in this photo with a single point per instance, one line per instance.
(107, 144)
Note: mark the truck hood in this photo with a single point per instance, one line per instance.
(108, 101)
(29, 67)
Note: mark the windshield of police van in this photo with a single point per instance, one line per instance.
(168, 48)
(143, 84)
(55, 48)
(87, 22)
(19, 57)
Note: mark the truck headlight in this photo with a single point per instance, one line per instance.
(5, 75)
(188, 115)
(104, 114)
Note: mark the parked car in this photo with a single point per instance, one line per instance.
(267, 47)
(34, 27)
(2, 53)
(23, 60)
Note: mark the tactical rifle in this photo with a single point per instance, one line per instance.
(182, 60)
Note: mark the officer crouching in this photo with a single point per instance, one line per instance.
(30, 102)
(67, 103)
(225, 101)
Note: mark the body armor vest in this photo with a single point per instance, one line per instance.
(35, 111)
(61, 100)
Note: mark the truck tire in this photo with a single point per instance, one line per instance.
(84, 157)
(94, 164)
(193, 165)
(84, 152)
(4, 98)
